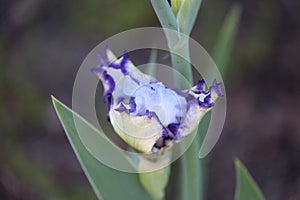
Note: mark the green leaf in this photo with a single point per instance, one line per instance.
(187, 171)
(246, 188)
(188, 168)
(187, 14)
(164, 13)
(175, 6)
(155, 182)
(182, 66)
(223, 47)
(107, 183)
(177, 43)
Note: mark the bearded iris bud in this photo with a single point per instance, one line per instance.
(146, 114)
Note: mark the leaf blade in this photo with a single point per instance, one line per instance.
(106, 182)
(223, 46)
(164, 14)
(246, 188)
(187, 15)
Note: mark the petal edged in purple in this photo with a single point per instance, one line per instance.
(122, 65)
(201, 88)
(109, 86)
(206, 103)
(152, 98)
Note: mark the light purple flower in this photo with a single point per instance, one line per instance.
(143, 111)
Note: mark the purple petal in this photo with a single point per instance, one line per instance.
(101, 60)
(206, 102)
(121, 108)
(174, 128)
(165, 133)
(109, 86)
(97, 70)
(119, 100)
(217, 88)
(201, 88)
(122, 65)
(201, 85)
(124, 61)
(132, 105)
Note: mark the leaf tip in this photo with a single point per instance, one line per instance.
(237, 163)
(55, 102)
(53, 99)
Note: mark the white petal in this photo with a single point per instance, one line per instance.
(140, 132)
(191, 121)
(110, 55)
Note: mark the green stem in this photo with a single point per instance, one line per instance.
(189, 167)
(182, 66)
(188, 175)
(164, 14)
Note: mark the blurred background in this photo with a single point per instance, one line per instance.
(42, 44)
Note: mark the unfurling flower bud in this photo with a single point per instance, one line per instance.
(143, 111)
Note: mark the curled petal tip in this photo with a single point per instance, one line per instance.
(216, 88)
(97, 70)
(201, 85)
(101, 61)
(110, 55)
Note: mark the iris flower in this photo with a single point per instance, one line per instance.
(145, 113)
